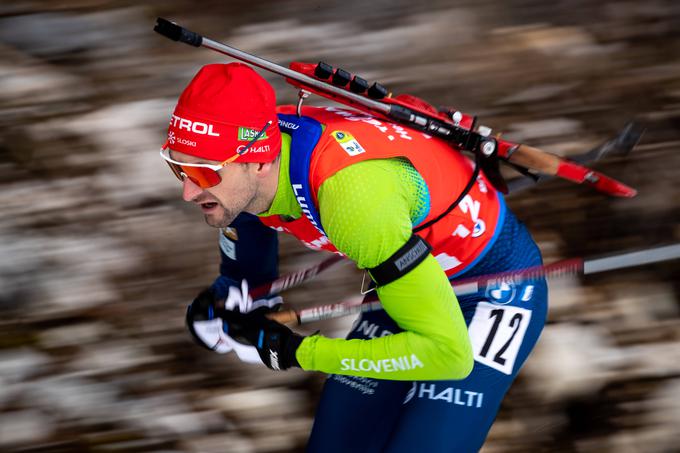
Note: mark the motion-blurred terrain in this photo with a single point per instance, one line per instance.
(99, 256)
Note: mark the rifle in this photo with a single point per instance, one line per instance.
(455, 127)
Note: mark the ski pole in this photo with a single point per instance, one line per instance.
(573, 266)
(293, 279)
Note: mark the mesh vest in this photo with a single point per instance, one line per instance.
(327, 139)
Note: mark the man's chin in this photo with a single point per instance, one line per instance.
(218, 220)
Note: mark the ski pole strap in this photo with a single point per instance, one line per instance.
(401, 262)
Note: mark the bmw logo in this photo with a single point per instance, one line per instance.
(479, 229)
(501, 292)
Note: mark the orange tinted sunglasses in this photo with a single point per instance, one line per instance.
(205, 175)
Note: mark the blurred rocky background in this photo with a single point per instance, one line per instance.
(99, 256)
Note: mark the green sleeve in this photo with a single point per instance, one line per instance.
(367, 210)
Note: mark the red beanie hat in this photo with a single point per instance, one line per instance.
(221, 111)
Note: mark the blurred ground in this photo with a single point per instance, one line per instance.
(99, 256)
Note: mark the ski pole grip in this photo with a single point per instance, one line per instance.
(284, 317)
(177, 33)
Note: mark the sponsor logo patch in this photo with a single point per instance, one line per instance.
(411, 255)
(274, 359)
(231, 233)
(501, 291)
(348, 143)
(227, 245)
(172, 139)
(253, 149)
(480, 228)
(247, 134)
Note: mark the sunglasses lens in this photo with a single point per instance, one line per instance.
(202, 177)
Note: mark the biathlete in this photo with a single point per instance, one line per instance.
(428, 372)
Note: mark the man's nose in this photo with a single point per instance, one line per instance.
(190, 190)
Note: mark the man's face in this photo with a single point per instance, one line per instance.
(221, 204)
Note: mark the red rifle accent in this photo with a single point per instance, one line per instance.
(579, 174)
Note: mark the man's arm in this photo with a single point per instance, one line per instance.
(367, 211)
(249, 253)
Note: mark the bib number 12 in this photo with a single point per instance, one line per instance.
(496, 333)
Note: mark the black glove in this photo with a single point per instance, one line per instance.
(202, 309)
(275, 342)
(204, 320)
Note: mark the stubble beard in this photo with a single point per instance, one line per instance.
(225, 216)
(222, 219)
(249, 199)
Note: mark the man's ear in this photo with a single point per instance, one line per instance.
(262, 170)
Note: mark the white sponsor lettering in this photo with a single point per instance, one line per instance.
(447, 262)
(288, 125)
(468, 205)
(302, 201)
(318, 243)
(382, 366)
(253, 149)
(451, 395)
(482, 185)
(364, 385)
(461, 231)
(403, 133)
(172, 139)
(183, 141)
(355, 116)
(377, 124)
(370, 330)
(410, 256)
(274, 360)
(193, 126)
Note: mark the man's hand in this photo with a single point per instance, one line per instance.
(204, 320)
(275, 343)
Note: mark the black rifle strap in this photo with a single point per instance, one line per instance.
(401, 262)
(468, 187)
